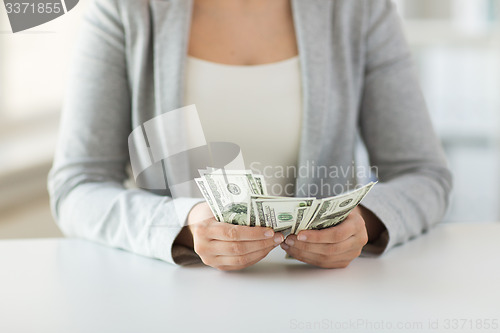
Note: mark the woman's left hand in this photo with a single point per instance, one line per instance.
(333, 247)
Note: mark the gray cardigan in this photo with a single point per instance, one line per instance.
(357, 77)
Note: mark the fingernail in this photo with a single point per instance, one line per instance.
(284, 246)
(269, 233)
(289, 241)
(301, 237)
(278, 239)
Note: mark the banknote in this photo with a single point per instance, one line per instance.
(280, 213)
(208, 198)
(334, 210)
(256, 211)
(300, 212)
(261, 183)
(228, 193)
(240, 197)
(301, 225)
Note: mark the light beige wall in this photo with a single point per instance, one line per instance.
(29, 220)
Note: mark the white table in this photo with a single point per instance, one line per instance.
(441, 281)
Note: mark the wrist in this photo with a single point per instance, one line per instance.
(374, 227)
(185, 236)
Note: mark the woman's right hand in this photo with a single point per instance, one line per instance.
(226, 246)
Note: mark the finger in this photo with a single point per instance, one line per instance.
(242, 261)
(231, 232)
(335, 234)
(329, 249)
(323, 261)
(219, 247)
(234, 268)
(307, 257)
(201, 225)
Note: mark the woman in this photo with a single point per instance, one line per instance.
(342, 66)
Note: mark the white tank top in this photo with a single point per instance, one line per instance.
(258, 107)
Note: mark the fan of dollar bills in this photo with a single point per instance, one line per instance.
(240, 197)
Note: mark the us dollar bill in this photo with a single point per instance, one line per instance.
(256, 211)
(261, 184)
(231, 191)
(280, 214)
(240, 197)
(300, 212)
(203, 186)
(333, 210)
(307, 216)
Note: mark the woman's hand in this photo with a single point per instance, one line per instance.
(227, 246)
(333, 247)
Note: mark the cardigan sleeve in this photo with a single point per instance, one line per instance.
(86, 183)
(414, 180)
